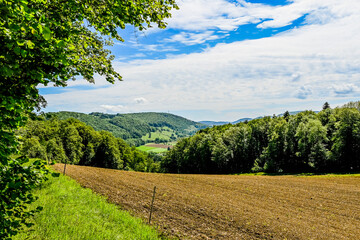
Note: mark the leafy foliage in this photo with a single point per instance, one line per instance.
(45, 42)
(305, 142)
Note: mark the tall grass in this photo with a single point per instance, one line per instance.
(72, 212)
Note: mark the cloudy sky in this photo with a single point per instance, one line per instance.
(225, 60)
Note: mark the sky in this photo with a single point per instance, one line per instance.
(223, 60)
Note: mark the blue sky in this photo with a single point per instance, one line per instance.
(224, 60)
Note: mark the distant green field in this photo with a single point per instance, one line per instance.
(151, 149)
(164, 133)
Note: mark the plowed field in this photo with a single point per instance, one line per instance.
(234, 207)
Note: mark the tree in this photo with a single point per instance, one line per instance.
(346, 138)
(108, 153)
(326, 106)
(286, 115)
(275, 155)
(45, 42)
(352, 105)
(312, 139)
(72, 144)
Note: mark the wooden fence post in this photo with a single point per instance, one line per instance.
(64, 168)
(152, 203)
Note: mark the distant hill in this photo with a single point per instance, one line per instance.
(242, 120)
(137, 128)
(213, 123)
(293, 113)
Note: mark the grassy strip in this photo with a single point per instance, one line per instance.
(73, 212)
(301, 174)
(151, 149)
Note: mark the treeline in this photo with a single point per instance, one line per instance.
(74, 142)
(328, 141)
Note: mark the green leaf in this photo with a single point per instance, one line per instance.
(30, 44)
(46, 32)
(61, 43)
(17, 50)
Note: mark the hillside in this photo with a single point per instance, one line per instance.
(136, 128)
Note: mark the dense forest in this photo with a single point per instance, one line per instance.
(133, 126)
(328, 141)
(72, 141)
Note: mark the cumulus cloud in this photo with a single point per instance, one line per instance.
(141, 100)
(303, 92)
(114, 108)
(194, 38)
(344, 89)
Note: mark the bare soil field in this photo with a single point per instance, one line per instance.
(233, 207)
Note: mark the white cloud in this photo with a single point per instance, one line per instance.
(197, 15)
(194, 38)
(344, 89)
(303, 93)
(154, 47)
(114, 108)
(141, 100)
(295, 77)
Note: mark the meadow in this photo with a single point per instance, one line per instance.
(71, 212)
(234, 206)
(152, 148)
(161, 134)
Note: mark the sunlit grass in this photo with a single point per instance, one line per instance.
(302, 174)
(151, 149)
(73, 212)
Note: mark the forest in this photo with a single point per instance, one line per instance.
(328, 141)
(72, 141)
(132, 127)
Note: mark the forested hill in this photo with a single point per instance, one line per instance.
(133, 127)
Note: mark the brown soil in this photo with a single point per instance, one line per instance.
(158, 145)
(234, 207)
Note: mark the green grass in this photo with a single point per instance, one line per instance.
(151, 149)
(72, 212)
(165, 134)
(302, 174)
